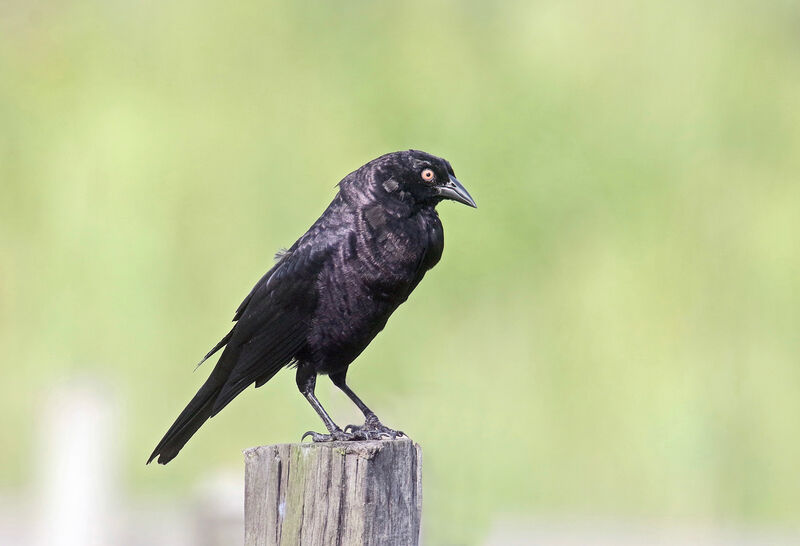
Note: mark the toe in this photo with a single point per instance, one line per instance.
(341, 436)
(335, 436)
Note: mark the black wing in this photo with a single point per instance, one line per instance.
(272, 322)
(271, 327)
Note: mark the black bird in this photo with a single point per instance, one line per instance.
(330, 294)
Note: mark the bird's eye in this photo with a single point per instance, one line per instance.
(427, 175)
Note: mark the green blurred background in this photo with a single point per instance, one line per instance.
(614, 330)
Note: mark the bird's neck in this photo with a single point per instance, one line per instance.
(395, 203)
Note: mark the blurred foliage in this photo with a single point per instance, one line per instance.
(613, 331)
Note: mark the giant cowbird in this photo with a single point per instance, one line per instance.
(331, 292)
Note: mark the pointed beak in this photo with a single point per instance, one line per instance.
(455, 191)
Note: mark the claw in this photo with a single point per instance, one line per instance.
(373, 431)
(335, 436)
(367, 431)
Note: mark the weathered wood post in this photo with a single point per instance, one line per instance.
(338, 493)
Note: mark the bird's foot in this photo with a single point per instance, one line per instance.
(337, 435)
(373, 430)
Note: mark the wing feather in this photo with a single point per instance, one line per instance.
(272, 322)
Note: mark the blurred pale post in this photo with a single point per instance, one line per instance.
(74, 467)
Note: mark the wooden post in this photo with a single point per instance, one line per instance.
(338, 493)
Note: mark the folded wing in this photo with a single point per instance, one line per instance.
(271, 327)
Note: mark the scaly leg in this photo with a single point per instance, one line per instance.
(306, 381)
(372, 429)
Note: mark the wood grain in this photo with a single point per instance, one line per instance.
(337, 493)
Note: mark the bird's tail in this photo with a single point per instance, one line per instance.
(191, 418)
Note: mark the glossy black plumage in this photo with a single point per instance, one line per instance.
(331, 292)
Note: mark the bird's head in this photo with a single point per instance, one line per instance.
(412, 177)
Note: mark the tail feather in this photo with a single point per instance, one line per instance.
(216, 348)
(188, 422)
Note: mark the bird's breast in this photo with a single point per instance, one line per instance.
(375, 271)
(397, 251)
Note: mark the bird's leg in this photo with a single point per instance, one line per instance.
(372, 429)
(306, 381)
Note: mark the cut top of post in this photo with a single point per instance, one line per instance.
(334, 493)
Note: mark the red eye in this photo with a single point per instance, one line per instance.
(427, 175)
